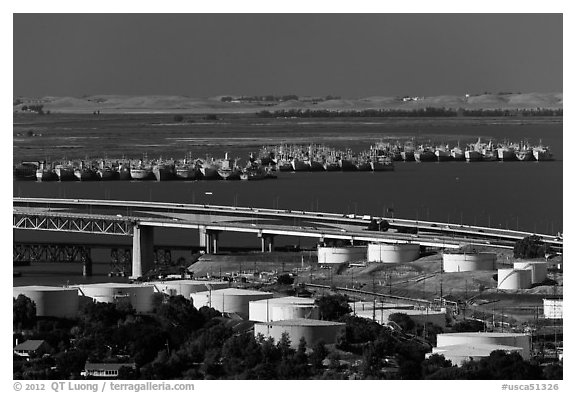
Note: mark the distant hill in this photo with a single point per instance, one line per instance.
(182, 104)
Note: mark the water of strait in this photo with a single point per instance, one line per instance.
(523, 195)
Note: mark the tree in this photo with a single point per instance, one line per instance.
(318, 355)
(23, 312)
(434, 363)
(530, 247)
(469, 325)
(285, 279)
(333, 307)
(403, 320)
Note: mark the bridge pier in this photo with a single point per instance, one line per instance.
(87, 267)
(142, 250)
(208, 240)
(267, 242)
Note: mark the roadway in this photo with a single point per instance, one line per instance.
(263, 222)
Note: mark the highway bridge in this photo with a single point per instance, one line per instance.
(138, 220)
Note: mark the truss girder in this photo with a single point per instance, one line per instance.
(73, 224)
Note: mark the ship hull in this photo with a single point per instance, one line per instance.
(425, 156)
(187, 173)
(506, 155)
(141, 174)
(25, 172)
(473, 155)
(382, 166)
(65, 173)
(108, 174)
(540, 155)
(163, 173)
(300, 166)
(525, 155)
(316, 166)
(210, 173)
(347, 165)
(85, 174)
(46, 175)
(331, 166)
(124, 173)
(407, 155)
(442, 155)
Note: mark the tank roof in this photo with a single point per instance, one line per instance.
(485, 334)
(474, 349)
(235, 291)
(287, 300)
(112, 285)
(302, 322)
(184, 282)
(43, 288)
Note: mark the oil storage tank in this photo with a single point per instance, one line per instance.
(282, 308)
(186, 287)
(312, 330)
(139, 296)
(393, 253)
(51, 301)
(495, 339)
(341, 254)
(512, 279)
(468, 262)
(539, 270)
(229, 300)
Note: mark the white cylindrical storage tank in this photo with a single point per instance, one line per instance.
(139, 296)
(553, 308)
(312, 330)
(186, 287)
(514, 279)
(393, 253)
(341, 254)
(51, 301)
(229, 300)
(281, 312)
(281, 308)
(521, 340)
(468, 262)
(539, 270)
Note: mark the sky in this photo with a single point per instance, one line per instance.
(348, 55)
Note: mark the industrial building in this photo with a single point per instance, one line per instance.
(539, 270)
(553, 308)
(312, 330)
(460, 347)
(468, 262)
(282, 308)
(513, 279)
(341, 254)
(393, 253)
(186, 287)
(229, 300)
(51, 301)
(139, 296)
(419, 316)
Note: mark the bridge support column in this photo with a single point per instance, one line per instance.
(202, 236)
(209, 240)
(142, 250)
(213, 236)
(87, 268)
(267, 242)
